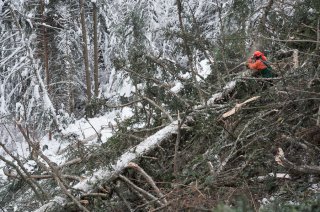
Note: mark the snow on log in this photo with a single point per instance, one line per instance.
(133, 153)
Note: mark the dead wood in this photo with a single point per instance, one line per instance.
(140, 190)
(283, 161)
(238, 107)
(149, 180)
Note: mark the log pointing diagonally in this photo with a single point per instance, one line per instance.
(104, 174)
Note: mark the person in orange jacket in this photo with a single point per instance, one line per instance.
(258, 63)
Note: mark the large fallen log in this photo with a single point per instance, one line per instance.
(107, 174)
(134, 153)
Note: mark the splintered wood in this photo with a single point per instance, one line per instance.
(238, 107)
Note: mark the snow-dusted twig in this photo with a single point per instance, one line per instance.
(70, 162)
(25, 178)
(39, 177)
(211, 168)
(24, 174)
(234, 149)
(238, 66)
(272, 175)
(95, 195)
(295, 59)
(123, 105)
(290, 40)
(98, 134)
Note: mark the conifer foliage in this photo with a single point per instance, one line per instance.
(201, 134)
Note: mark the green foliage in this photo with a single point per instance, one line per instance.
(316, 5)
(240, 12)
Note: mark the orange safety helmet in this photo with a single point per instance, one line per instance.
(258, 54)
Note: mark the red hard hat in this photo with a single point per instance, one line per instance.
(258, 54)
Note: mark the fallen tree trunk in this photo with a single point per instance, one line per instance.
(133, 153)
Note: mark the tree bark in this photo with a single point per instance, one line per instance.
(318, 34)
(85, 49)
(45, 46)
(95, 51)
(45, 53)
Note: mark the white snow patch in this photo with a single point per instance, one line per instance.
(36, 93)
(177, 88)
(277, 175)
(126, 88)
(213, 98)
(204, 69)
(86, 128)
(315, 188)
(230, 85)
(265, 201)
(30, 165)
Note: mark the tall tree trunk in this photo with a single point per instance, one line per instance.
(85, 50)
(45, 46)
(95, 46)
(45, 52)
(318, 34)
(70, 71)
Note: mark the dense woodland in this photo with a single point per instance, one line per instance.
(188, 127)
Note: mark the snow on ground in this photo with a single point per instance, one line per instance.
(86, 130)
(82, 128)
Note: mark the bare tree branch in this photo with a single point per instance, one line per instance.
(140, 190)
(149, 180)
